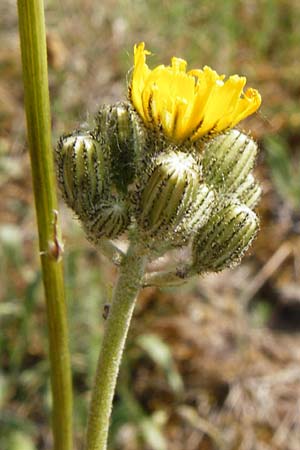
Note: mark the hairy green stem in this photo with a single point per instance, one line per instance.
(126, 290)
(34, 62)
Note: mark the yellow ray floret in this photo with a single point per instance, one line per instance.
(188, 104)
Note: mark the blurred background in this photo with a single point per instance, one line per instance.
(214, 364)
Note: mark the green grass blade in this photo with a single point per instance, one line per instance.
(34, 62)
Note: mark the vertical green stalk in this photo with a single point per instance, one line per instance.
(34, 62)
(125, 292)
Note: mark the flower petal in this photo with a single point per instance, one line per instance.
(189, 104)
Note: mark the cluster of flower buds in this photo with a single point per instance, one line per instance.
(121, 176)
(167, 167)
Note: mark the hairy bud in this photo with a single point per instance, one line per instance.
(249, 192)
(228, 160)
(201, 209)
(168, 193)
(82, 175)
(85, 183)
(225, 238)
(123, 139)
(110, 219)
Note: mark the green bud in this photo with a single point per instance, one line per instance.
(224, 238)
(110, 219)
(249, 192)
(168, 193)
(228, 160)
(123, 138)
(201, 208)
(81, 171)
(87, 188)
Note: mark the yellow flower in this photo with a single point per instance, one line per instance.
(188, 104)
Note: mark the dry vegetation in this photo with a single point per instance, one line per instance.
(216, 364)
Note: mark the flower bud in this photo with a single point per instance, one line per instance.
(110, 219)
(87, 188)
(167, 195)
(123, 138)
(224, 239)
(82, 175)
(249, 192)
(201, 209)
(228, 160)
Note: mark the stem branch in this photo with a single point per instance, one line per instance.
(169, 278)
(111, 251)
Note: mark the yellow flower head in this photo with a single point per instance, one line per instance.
(188, 104)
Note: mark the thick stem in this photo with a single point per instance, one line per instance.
(126, 290)
(37, 105)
